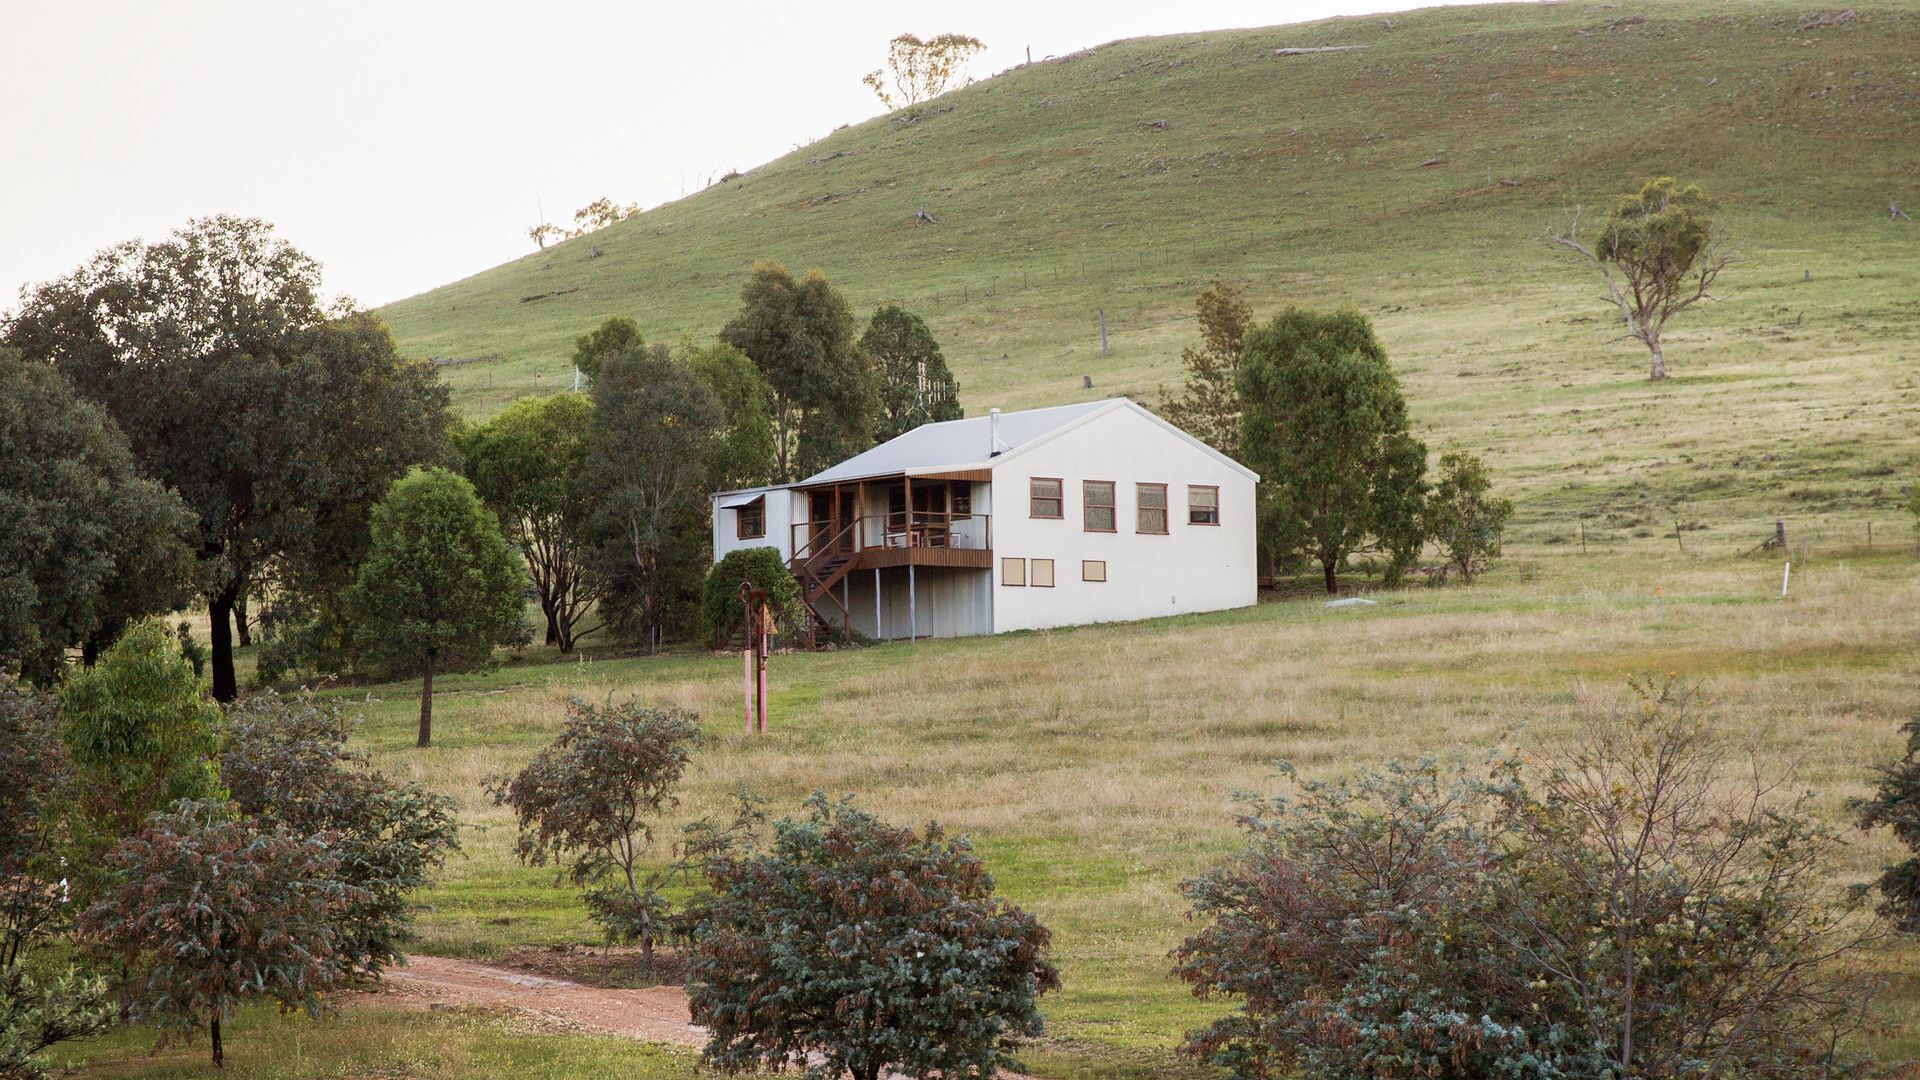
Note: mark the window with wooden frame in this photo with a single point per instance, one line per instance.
(1041, 574)
(1045, 497)
(1203, 504)
(1093, 570)
(961, 498)
(1150, 514)
(750, 521)
(1013, 571)
(1097, 497)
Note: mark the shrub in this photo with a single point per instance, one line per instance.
(720, 596)
(1462, 517)
(1896, 805)
(286, 763)
(588, 804)
(1625, 907)
(139, 732)
(848, 945)
(35, 1013)
(216, 912)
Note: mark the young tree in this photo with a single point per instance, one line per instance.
(440, 588)
(1208, 408)
(528, 464)
(1658, 254)
(850, 946)
(264, 409)
(920, 70)
(286, 763)
(214, 912)
(36, 1012)
(544, 232)
(655, 426)
(744, 456)
(915, 386)
(1463, 517)
(1323, 420)
(761, 567)
(800, 335)
(588, 804)
(615, 336)
(1630, 903)
(140, 734)
(90, 544)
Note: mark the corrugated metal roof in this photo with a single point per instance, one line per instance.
(956, 443)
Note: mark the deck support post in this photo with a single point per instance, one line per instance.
(913, 616)
(879, 631)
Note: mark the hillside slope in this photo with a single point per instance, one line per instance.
(1413, 179)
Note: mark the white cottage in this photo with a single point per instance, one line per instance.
(1017, 521)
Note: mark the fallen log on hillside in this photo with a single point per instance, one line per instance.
(1302, 51)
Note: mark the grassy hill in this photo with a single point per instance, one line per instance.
(1414, 179)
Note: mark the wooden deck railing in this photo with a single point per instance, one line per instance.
(914, 529)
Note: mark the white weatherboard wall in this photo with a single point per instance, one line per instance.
(1191, 568)
(780, 517)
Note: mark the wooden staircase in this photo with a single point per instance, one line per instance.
(819, 571)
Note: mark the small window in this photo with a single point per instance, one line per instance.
(1203, 505)
(1151, 515)
(1043, 573)
(1098, 496)
(1093, 570)
(750, 521)
(962, 499)
(1013, 571)
(1045, 500)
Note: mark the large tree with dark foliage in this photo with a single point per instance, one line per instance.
(213, 912)
(847, 945)
(744, 456)
(915, 386)
(277, 418)
(800, 333)
(1323, 420)
(89, 542)
(528, 464)
(656, 426)
(440, 587)
(286, 765)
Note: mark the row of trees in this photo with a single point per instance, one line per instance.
(190, 418)
(1310, 402)
(196, 858)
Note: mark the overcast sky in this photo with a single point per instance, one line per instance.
(406, 145)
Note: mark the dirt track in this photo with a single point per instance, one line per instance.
(655, 1014)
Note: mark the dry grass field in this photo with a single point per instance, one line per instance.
(1096, 767)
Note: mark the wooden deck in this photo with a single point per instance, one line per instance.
(963, 558)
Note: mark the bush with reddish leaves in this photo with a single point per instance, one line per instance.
(210, 913)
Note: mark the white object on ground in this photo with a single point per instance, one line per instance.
(1351, 601)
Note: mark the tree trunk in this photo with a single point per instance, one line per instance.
(1331, 568)
(426, 706)
(240, 630)
(219, 1052)
(90, 651)
(1659, 368)
(220, 630)
(553, 624)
